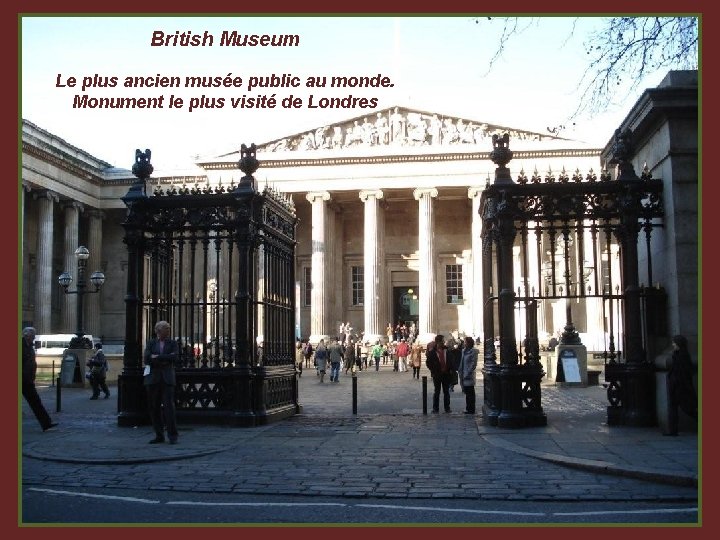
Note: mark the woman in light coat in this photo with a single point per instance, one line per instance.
(468, 364)
(321, 359)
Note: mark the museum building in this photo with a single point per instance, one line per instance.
(389, 224)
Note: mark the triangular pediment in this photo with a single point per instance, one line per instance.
(399, 127)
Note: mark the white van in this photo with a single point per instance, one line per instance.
(55, 344)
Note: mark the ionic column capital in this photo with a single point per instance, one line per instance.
(46, 194)
(315, 195)
(365, 194)
(474, 191)
(74, 204)
(95, 213)
(419, 193)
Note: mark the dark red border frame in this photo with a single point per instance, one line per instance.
(9, 216)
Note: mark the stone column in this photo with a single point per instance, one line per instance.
(474, 194)
(372, 249)
(319, 307)
(92, 301)
(69, 301)
(426, 234)
(335, 267)
(45, 279)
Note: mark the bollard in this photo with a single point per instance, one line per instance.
(424, 398)
(58, 398)
(52, 374)
(354, 392)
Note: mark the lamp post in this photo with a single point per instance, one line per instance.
(97, 278)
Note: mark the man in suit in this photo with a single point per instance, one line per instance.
(29, 371)
(439, 366)
(160, 356)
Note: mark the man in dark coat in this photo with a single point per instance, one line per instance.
(29, 370)
(439, 366)
(161, 354)
(681, 392)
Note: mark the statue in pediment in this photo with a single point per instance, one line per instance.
(450, 134)
(382, 129)
(397, 127)
(337, 137)
(368, 133)
(353, 135)
(416, 129)
(321, 141)
(435, 130)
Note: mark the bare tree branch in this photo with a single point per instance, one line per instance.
(620, 53)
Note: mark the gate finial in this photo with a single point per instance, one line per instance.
(142, 168)
(248, 164)
(501, 155)
(622, 153)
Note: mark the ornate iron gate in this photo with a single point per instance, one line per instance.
(563, 230)
(218, 264)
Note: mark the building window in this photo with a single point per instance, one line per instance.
(453, 284)
(307, 286)
(358, 285)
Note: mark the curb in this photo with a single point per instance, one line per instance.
(597, 466)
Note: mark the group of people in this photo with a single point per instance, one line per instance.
(401, 331)
(357, 355)
(449, 364)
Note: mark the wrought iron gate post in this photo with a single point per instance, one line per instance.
(510, 382)
(491, 369)
(132, 403)
(632, 382)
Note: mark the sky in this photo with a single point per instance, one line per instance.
(438, 64)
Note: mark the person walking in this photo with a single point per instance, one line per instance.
(392, 353)
(307, 352)
(680, 388)
(438, 364)
(415, 359)
(98, 372)
(336, 355)
(376, 353)
(402, 350)
(453, 355)
(468, 365)
(29, 372)
(364, 354)
(160, 356)
(321, 360)
(299, 358)
(349, 356)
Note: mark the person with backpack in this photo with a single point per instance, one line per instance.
(98, 372)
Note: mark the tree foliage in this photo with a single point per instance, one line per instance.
(621, 52)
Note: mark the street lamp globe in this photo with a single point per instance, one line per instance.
(97, 278)
(65, 279)
(82, 253)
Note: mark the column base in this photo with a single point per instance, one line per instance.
(374, 338)
(425, 338)
(315, 339)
